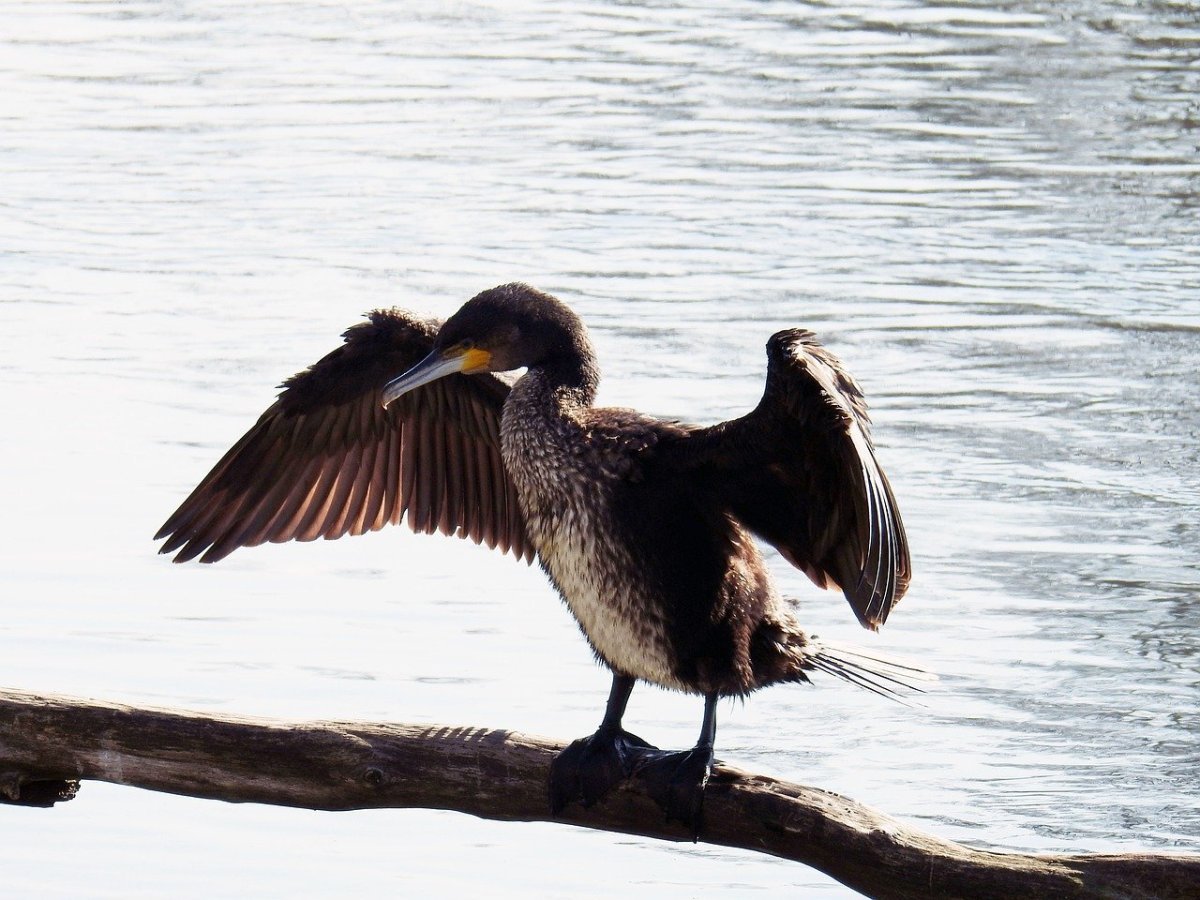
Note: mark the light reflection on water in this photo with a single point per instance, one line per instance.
(989, 211)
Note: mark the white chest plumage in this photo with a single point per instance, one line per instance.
(565, 498)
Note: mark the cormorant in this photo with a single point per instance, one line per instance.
(644, 526)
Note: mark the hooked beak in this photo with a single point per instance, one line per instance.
(437, 364)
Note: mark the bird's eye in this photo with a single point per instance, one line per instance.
(465, 345)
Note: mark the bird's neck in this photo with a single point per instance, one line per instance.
(569, 369)
(539, 429)
(572, 379)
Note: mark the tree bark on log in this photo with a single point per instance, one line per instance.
(49, 743)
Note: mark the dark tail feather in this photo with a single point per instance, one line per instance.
(886, 676)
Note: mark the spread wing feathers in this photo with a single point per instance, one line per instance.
(800, 471)
(326, 459)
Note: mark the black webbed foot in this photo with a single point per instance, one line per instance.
(592, 766)
(676, 781)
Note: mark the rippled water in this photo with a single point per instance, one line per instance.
(990, 211)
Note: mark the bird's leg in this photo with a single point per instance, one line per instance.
(676, 781)
(592, 766)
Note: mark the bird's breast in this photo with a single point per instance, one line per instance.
(566, 499)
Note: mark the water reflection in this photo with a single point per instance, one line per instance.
(989, 210)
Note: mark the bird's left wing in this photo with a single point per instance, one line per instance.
(326, 459)
(800, 471)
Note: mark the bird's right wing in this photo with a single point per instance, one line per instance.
(326, 459)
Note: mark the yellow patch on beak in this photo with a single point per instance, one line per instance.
(475, 360)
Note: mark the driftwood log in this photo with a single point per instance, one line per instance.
(49, 743)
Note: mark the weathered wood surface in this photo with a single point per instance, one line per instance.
(47, 743)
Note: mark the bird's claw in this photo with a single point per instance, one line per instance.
(592, 766)
(676, 782)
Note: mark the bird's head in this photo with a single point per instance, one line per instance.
(504, 328)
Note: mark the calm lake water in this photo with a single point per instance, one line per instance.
(990, 211)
